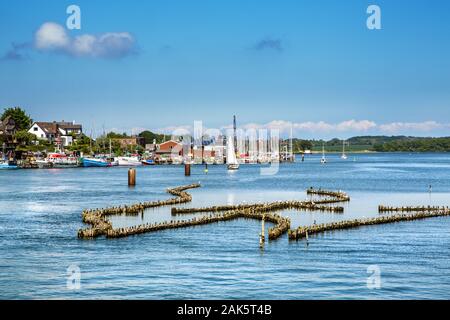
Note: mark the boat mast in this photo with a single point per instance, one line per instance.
(290, 145)
(234, 133)
(90, 141)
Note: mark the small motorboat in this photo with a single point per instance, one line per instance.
(148, 162)
(96, 162)
(129, 161)
(8, 165)
(43, 164)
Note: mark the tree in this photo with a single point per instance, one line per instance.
(23, 137)
(150, 136)
(21, 118)
(82, 144)
(114, 135)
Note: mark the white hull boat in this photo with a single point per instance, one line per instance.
(128, 161)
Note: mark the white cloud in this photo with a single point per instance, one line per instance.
(320, 126)
(173, 129)
(52, 37)
(425, 126)
(352, 125)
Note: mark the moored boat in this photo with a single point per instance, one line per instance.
(7, 165)
(43, 164)
(129, 161)
(95, 162)
(148, 162)
(61, 160)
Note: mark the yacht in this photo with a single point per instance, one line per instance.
(232, 163)
(344, 156)
(323, 160)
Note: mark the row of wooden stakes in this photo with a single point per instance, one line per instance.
(101, 226)
(382, 208)
(272, 206)
(282, 224)
(303, 232)
(97, 218)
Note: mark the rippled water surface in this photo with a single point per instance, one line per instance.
(40, 213)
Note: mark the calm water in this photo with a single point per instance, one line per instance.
(40, 213)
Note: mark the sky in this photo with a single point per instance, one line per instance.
(163, 64)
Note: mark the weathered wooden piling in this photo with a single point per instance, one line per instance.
(97, 218)
(382, 208)
(187, 169)
(100, 226)
(131, 177)
(302, 232)
(262, 235)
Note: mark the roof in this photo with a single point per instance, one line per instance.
(8, 124)
(170, 142)
(69, 125)
(47, 127)
(169, 146)
(52, 127)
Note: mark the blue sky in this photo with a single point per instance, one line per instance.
(310, 63)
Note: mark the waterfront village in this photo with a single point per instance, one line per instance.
(29, 144)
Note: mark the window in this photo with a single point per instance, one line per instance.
(35, 128)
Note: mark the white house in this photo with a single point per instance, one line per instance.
(61, 133)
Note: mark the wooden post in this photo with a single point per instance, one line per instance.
(187, 169)
(131, 177)
(262, 235)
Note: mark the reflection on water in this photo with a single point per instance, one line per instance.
(40, 213)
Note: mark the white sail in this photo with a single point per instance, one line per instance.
(323, 160)
(344, 156)
(231, 154)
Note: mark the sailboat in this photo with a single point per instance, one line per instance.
(323, 160)
(232, 162)
(344, 156)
